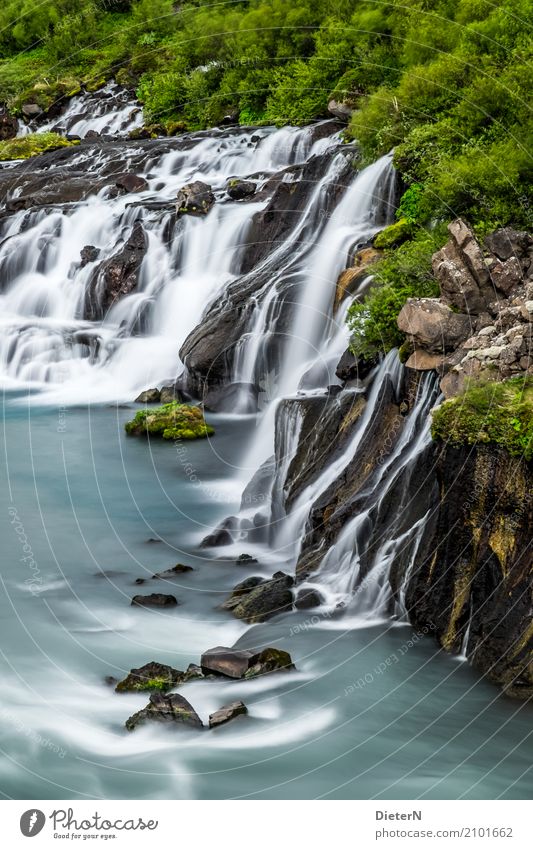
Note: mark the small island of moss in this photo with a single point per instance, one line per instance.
(171, 421)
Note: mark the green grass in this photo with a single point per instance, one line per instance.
(32, 145)
(500, 413)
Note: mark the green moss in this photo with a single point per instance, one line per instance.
(26, 146)
(490, 412)
(393, 235)
(171, 421)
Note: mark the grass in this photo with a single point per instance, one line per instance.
(25, 147)
(171, 421)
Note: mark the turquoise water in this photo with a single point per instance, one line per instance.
(372, 711)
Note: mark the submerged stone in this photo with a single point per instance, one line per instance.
(227, 713)
(154, 600)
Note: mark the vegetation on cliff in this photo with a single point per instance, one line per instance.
(489, 412)
(171, 421)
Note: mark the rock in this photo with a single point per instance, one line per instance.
(269, 660)
(246, 560)
(238, 663)
(267, 600)
(349, 279)
(178, 569)
(151, 676)
(148, 396)
(116, 276)
(92, 134)
(307, 599)
(340, 110)
(169, 394)
(172, 708)
(228, 399)
(110, 680)
(195, 199)
(227, 712)
(31, 110)
(506, 243)
(231, 663)
(507, 275)
(433, 325)
(8, 126)
(470, 250)
(154, 600)
(89, 254)
(140, 581)
(424, 361)
(131, 183)
(241, 189)
(193, 673)
(221, 535)
(351, 367)
(240, 590)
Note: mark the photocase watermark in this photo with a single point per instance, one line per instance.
(26, 731)
(389, 661)
(35, 581)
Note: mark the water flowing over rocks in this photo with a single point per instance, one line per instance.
(117, 276)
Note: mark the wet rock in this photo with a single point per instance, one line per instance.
(241, 189)
(116, 276)
(8, 126)
(89, 254)
(170, 393)
(241, 589)
(424, 361)
(433, 325)
(31, 110)
(149, 396)
(227, 399)
(140, 581)
(221, 535)
(267, 600)
(110, 680)
(131, 183)
(170, 709)
(350, 279)
(307, 599)
(226, 713)
(178, 569)
(194, 199)
(151, 676)
(154, 600)
(351, 367)
(231, 663)
(193, 673)
(269, 660)
(246, 560)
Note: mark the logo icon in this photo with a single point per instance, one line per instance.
(32, 822)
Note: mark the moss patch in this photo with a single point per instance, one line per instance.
(26, 146)
(499, 413)
(171, 421)
(394, 235)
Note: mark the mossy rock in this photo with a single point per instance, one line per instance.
(25, 147)
(500, 413)
(394, 235)
(152, 677)
(171, 421)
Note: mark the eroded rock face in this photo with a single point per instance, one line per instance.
(482, 325)
(473, 572)
(117, 276)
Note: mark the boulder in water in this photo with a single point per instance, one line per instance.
(151, 676)
(266, 600)
(241, 189)
(195, 199)
(89, 254)
(242, 663)
(307, 599)
(221, 535)
(178, 569)
(131, 183)
(240, 590)
(154, 600)
(171, 421)
(226, 713)
(170, 393)
(149, 396)
(31, 110)
(269, 660)
(171, 709)
(116, 276)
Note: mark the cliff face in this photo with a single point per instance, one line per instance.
(472, 583)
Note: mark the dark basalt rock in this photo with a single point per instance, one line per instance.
(266, 600)
(221, 535)
(270, 660)
(149, 396)
(239, 663)
(226, 713)
(307, 599)
(241, 589)
(241, 189)
(8, 125)
(226, 399)
(246, 560)
(170, 393)
(131, 183)
(473, 569)
(351, 367)
(174, 571)
(116, 276)
(151, 676)
(171, 709)
(154, 600)
(89, 254)
(194, 199)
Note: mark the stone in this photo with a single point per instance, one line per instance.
(507, 275)
(31, 110)
(148, 396)
(507, 242)
(8, 126)
(195, 198)
(228, 399)
(89, 254)
(241, 589)
(231, 663)
(470, 250)
(433, 325)
(340, 110)
(349, 278)
(424, 361)
(269, 660)
(241, 189)
(307, 599)
(151, 676)
(171, 708)
(267, 600)
(131, 183)
(170, 393)
(154, 600)
(246, 560)
(226, 713)
(178, 569)
(116, 276)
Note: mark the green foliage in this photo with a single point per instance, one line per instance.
(499, 413)
(25, 146)
(403, 273)
(171, 421)
(393, 235)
